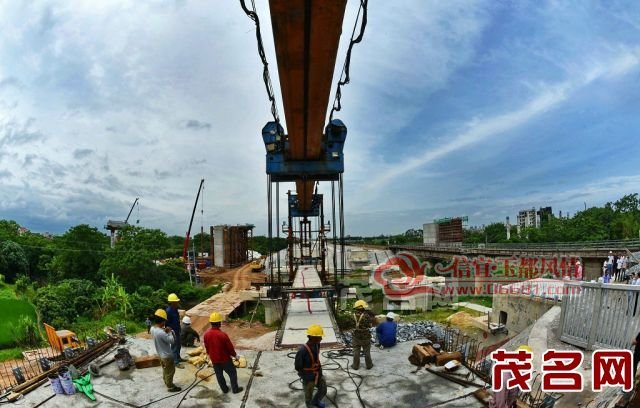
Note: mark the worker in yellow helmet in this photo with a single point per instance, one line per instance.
(361, 339)
(163, 339)
(308, 366)
(220, 351)
(173, 321)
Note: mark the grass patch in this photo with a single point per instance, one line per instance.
(259, 315)
(486, 301)
(10, 354)
(438, 315)
(12, 310)
(6, 292)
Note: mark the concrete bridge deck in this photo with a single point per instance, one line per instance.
(302, 312)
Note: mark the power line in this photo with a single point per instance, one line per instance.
(345, 77)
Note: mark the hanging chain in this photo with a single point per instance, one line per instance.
(253, 15)
(345, 78)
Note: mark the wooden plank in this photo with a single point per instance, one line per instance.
(444, 358)
(147, 361)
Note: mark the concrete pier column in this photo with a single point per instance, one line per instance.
(592, 268)
(273, 310)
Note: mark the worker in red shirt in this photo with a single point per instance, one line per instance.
(220, 351)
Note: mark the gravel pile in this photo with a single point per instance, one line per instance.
(409, 332)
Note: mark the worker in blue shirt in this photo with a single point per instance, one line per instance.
(387, 331)
(173, 321)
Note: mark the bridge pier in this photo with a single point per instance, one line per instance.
(592, 268)
(273, 310)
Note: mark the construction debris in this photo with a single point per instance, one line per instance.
(195, 352)
(482, 395)
(147, 361)
(444, 358)
(423, 354)
(198, 361)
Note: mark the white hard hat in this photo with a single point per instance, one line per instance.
(186, 320)
(391, 315)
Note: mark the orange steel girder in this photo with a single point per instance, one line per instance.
(306, 34)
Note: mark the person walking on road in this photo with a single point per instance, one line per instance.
(220, 351)
(163, 338)
(361, 335)
(307, 364)
(173, 321)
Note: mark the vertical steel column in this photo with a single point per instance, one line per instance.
(290, 236)
(335, 226)
(342, 243)
(278, 225)
(323, 272)
(270, 229)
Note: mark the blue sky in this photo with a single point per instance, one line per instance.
(477, 108)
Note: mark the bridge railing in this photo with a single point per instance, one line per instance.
(596, 315)
(631, 244)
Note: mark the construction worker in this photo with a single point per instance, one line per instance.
(361, 335)
(308, 366)
(220, 351)
(387, 331)
(163, 338)
(188, 336)
(507, 397)
(173, 321)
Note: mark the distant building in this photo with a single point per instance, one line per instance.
(533, 218)
(448, 231)
(528, 218)
(544, 215)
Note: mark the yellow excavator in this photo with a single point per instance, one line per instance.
(257, 265)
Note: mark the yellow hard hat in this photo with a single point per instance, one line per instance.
(161, 313)
(525, 348)
(315, 330)
(360, 304)
(173, 298)
(215, 317)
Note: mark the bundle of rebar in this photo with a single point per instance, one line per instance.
(78, 361)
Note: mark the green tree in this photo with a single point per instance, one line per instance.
(60, 305)
(80, 251)
(496, 232)
(137, 257)
(14, 261)
(260, 244)
(9, 230)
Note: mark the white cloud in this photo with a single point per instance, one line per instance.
(481, 129)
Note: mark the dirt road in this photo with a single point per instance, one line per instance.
(226, 302)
